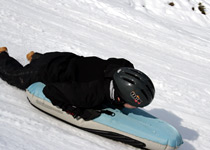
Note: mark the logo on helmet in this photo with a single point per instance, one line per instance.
(135, 97)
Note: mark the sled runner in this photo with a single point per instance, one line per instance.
(131, 126)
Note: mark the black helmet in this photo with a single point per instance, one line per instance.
(133, 86)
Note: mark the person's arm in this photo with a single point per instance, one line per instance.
(113, 64)
(82, 95)
(120, 62)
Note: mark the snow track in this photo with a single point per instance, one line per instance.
(170, 44)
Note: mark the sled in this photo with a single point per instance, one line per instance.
(130, 126)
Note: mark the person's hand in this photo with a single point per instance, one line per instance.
(86, 114)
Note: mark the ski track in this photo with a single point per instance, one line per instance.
(170, 44)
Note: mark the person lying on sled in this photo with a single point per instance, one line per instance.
(76, 83)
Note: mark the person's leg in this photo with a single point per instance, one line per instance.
(42, 68)
(14, 73)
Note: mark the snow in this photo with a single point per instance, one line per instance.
(169, 43)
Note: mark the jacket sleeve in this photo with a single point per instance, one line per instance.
(82, 95)
(113, 64)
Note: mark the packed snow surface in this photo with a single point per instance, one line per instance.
(169, 43)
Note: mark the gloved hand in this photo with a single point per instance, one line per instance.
(86, 114)
(90, 114)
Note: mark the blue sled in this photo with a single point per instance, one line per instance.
(131, 126)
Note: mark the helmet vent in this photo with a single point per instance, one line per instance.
(128, 80)
(144, 94)
(149, 89)
(133, 75)
(151, 83)
(138, 72)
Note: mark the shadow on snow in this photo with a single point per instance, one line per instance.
(187, 133)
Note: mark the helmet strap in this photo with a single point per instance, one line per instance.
(111, 90)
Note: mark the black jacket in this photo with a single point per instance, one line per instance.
(76, 80)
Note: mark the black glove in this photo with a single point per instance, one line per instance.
(86, 114)
(90, 114)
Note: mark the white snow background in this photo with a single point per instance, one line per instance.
(169, 43)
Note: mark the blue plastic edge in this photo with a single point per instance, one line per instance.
(133, 121)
